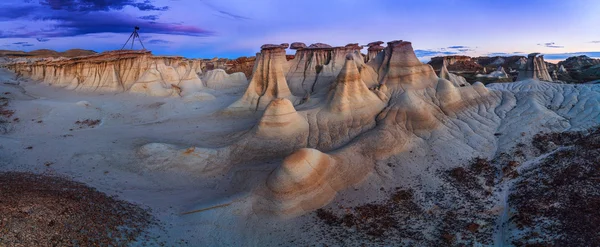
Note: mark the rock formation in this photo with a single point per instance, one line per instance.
(498, 74)
(268, 80)
(219, 79)
(373, 50)
(535, 69)
(117, 71)
(297, 46)
(314, 68)
(398, 65)
(457, 80)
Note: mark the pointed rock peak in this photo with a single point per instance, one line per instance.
(562, 69)
(403, 52)
(267, 82)
(349, 91)
(349, 72)
(444, 71)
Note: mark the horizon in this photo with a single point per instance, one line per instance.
(231, 29)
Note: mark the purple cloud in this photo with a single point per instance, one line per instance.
(67, 24)
(42, 39)
(458, 47)
(99, 5)
(22, 43)
(223, 12)
(149, 17)
(158, 42)
(551, 45)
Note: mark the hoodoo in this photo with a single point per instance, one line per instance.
(535, 68)
(314, 68)
(268, 80)
(373, 50)
(398, 66)
(457, 80)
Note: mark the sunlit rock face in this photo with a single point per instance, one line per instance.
(398, 66)
(268, 80)
(314, 68)
(117, 71)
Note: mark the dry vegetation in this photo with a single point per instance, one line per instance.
(40, 210)
(461, 215)
(88, 123)
(557, 202)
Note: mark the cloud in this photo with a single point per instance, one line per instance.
(458, 47)
(551, 45)
(22, 43)
(433, 53)
(149, 17)
(505, 54)
(42, 39)
(9, 13)
(158, 42)
(223, 12)
(65, 24)
(595, 41)
(99, 5)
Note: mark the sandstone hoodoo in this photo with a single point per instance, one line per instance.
(535, 68)
(268, 80)
(373, 50)
(314, 68)
(457, 80)
(398, 66)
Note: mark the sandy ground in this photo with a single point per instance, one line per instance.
(49, 135)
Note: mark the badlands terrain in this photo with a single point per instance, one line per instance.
(329, 147)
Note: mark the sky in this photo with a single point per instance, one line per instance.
(234, 28)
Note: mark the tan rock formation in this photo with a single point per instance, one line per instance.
(219, 79)
(535, 69)
(117, 71)
(457, 80)
(268, 81)
(314, 69)
(373, 50)
(398, 66)
(279, 132)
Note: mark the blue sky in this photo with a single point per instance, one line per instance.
(233, 28)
